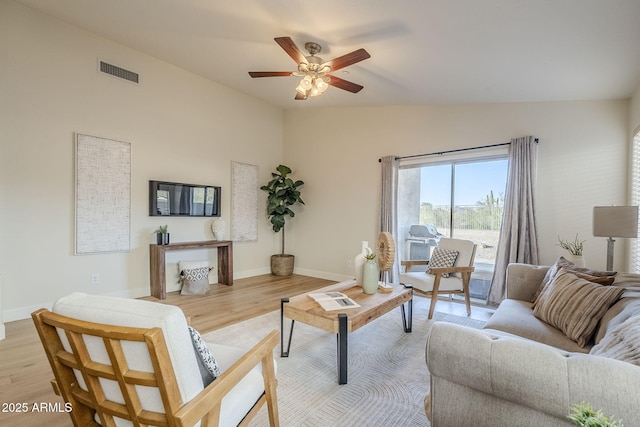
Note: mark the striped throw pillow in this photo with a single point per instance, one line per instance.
(575, 305)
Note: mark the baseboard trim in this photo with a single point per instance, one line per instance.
(322, 274)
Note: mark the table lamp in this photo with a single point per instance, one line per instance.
(614, 221)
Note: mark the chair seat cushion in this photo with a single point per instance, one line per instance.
(424, 282)
(244, 395)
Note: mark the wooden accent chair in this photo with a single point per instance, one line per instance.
(121, 361)
(431, 282)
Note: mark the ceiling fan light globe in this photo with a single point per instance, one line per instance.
(321, 85)
(306, 82)
(301, 90)
(315, 91)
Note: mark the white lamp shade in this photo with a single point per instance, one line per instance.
(615, 221)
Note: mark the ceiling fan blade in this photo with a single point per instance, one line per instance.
(255, 74)
(300, 97)
(292, 50)
(345, 84)
(348, 59)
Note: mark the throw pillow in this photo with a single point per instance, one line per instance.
(207, 364)
(575, 305)
(621, 343)
(442, 258)
(596, 276)
(195, 281)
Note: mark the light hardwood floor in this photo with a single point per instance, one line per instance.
(25, 374)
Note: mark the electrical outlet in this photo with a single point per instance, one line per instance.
(349, 263)
(95, 279)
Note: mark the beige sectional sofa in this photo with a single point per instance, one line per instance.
(521, 371)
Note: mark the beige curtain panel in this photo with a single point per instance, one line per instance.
(518, 234)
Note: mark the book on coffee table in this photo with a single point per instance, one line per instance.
(333, 300)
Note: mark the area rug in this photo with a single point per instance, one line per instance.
(387, 375)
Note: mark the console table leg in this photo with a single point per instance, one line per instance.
(282, 352)
(342, 348)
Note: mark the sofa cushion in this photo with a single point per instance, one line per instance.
(516, 317)
(523, 280)
(622, 343)
(575, 305)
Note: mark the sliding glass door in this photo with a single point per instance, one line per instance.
(459, 198)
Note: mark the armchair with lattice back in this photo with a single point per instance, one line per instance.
(121, 361)
(447, 272)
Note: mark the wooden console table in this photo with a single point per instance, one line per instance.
(158, 269)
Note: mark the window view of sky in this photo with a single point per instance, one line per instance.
(474, 181)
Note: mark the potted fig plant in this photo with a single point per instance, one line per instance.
(282, 193)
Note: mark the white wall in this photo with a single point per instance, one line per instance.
(581, 163)
(181, 128)
(185, 128)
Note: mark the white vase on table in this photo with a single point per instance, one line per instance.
(360, 260)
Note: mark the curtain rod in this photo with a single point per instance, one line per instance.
(439, 153)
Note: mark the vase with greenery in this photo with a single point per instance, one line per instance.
(575, 249)
(370, 275)
(584, 415)
(282, 193)
(162, 235)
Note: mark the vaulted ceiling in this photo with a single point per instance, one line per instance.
(422, 52)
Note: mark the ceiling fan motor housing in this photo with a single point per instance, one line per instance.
(312, 48)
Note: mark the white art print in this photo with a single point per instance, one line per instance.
(103, 195)
(244, 202)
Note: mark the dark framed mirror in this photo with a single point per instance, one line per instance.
(179, 199)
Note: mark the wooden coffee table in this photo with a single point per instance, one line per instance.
(304, 309)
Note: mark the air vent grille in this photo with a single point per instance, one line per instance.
(119, 72)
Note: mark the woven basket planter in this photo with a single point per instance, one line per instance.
(282, 265)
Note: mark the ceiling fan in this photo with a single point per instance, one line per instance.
(315, 72)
